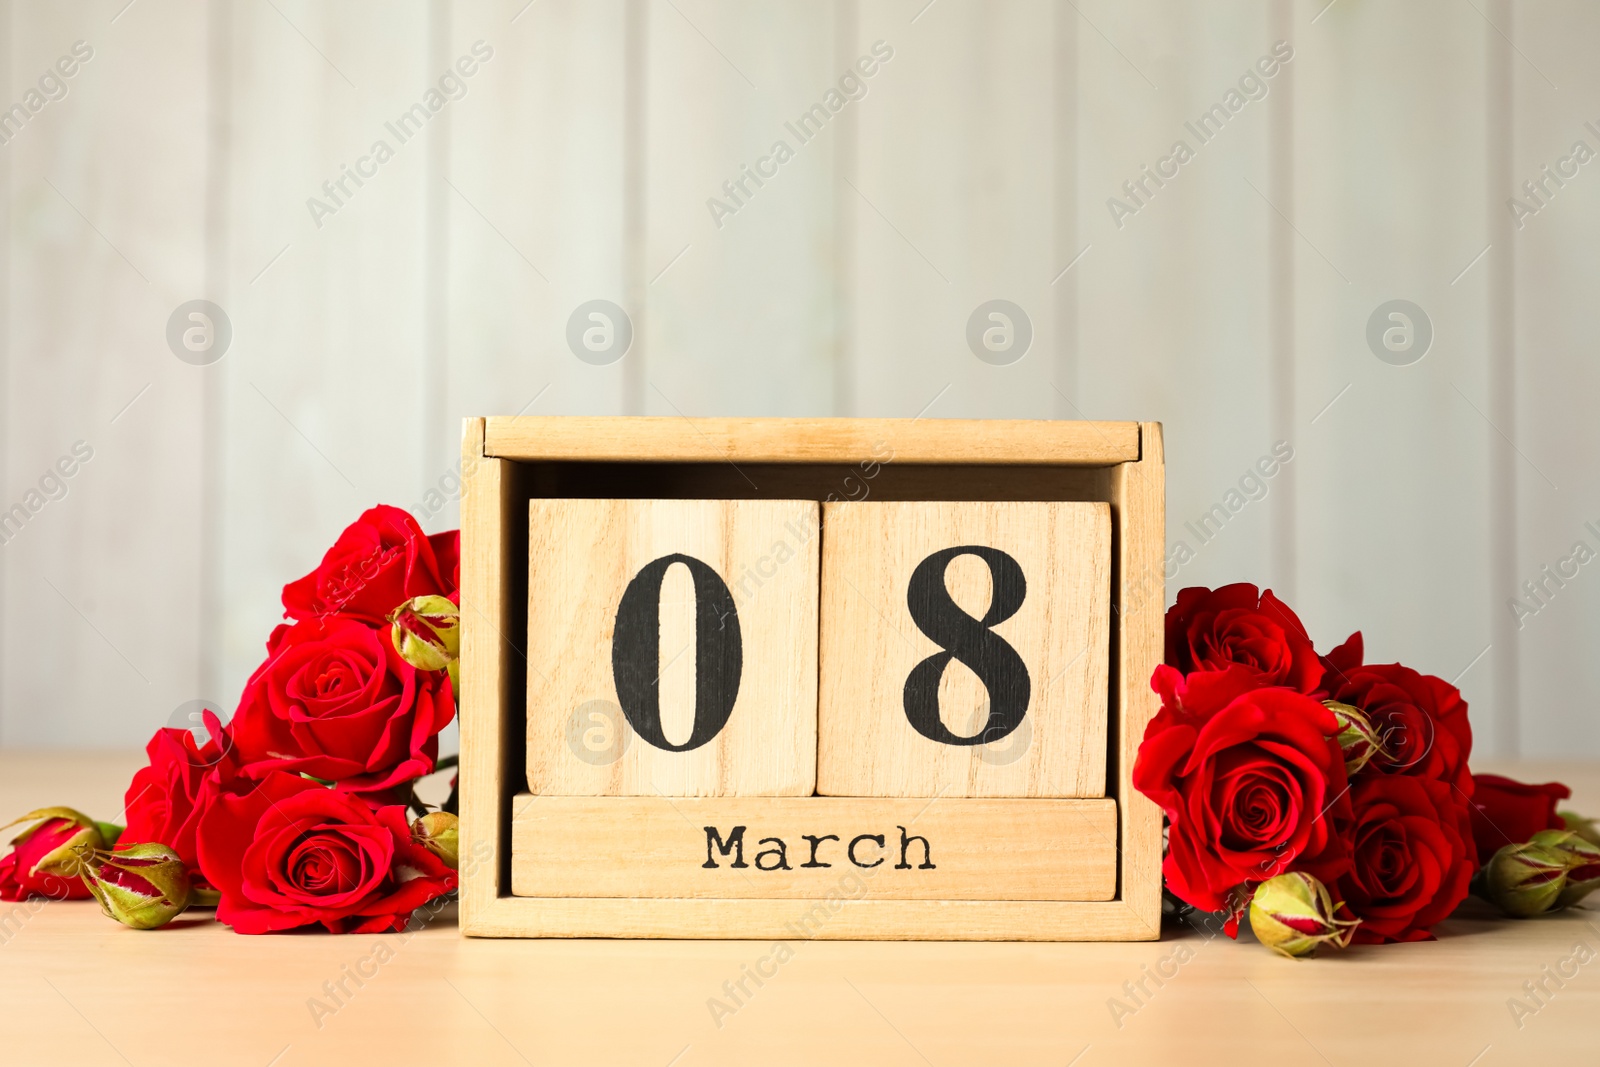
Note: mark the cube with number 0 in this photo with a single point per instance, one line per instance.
(964, 649)
(672, 647)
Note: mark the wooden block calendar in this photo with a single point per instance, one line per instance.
(792, 678)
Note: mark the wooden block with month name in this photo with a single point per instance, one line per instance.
(965, 649)
(804, 849)
(672, 647)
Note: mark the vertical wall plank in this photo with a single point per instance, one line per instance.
(1501, 275)
(1063, 122)
(1389, 205)
(536, 224)
(213, 607)
(8, 251)
(740, 315)
(846, 164)
(323, 391)
(106, 205)
(1280, 191)
(953, 196)
(1175, 297)
(1550, 373)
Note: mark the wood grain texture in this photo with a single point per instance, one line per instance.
(812, 440)
(846, 920)
(910, 849)
(487, 510)
(1058, 625)
(583, 555)
(1138, 496)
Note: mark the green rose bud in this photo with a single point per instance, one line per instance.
(1293, 915)
(1583, 863)
(1527, 879)
(427, 633)
(74, 834)
(1561, 839)
(1356, 737)
(440, 833)
(1584, 828)
(142, 886)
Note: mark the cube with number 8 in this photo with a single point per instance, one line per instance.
(965, 649)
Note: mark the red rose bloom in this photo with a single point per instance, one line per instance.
(1421, 720)
(335, 700)
(447, 554)
(1508, 812)
(1346, 657)
(19, 881)
(1212, 630)
(167, 797)
(1411, 857)
(1251, 779)
(292, 853)
(380, 561)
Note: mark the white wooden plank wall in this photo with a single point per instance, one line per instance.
(974, 164)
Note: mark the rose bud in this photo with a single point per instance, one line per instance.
(1584, 828)
(1292, 914)
(1525, 880)
(1356, 737)
(439, 833)
(50, 850)
(142, 886)
(427, 632)
(1583, 864)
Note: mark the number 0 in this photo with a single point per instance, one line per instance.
(636, 653)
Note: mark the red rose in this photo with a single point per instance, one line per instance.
(380, 561)
(1412, 856)
(167, 797)
(292, 853)
(447, 554)
(1251, 779)
(1421, 720)
(335, 700)
(1508, 812)
(1346, 657)
(19, 881)
(1212, 630)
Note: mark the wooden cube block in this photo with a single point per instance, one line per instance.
(672, 647)
(964, 649)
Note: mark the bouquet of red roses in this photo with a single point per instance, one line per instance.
(295, 813)
(1328, 796)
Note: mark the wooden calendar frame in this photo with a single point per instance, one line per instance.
(508, 460)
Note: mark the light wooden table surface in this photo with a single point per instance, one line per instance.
(76, 988)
